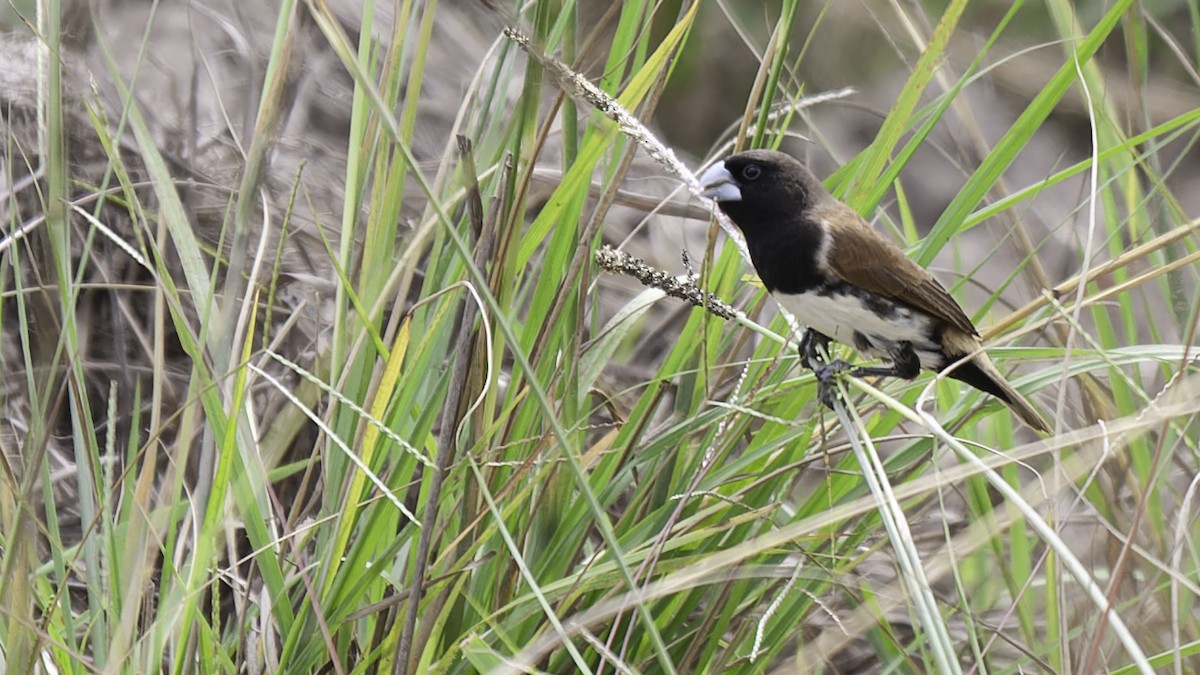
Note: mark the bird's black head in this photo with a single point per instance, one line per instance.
(762, 187)
(775, 201)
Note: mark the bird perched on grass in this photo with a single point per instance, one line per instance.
(845, 281)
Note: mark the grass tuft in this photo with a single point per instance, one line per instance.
(363, 347)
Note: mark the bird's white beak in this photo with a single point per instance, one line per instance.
(719, 185)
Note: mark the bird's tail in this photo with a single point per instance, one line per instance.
(980, 373)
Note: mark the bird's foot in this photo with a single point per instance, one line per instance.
(813, 348)
(826, 374)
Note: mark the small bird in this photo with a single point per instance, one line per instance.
(845, 281)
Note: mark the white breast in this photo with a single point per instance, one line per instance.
(841, 314)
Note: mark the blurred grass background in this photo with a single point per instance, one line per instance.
(295, 380)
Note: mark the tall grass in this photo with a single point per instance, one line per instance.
(488, 492)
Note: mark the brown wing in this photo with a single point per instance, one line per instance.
(862, 256)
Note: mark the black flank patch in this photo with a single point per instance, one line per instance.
(861, 342)
(884, 308)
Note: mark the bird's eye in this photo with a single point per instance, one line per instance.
(751, 172)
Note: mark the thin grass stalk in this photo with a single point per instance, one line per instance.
(228, 332)
(894, 521)
(1016, 137)
(873, 160)
(712, 568)
(584, 91)
(52, 151)
(1133, 255)
(462, 356)
(559, 630)
(1039, 525)
(334, 32)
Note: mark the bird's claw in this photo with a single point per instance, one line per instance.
(811, 348)
(827, 389)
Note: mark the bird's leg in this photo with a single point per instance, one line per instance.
(814, 347)
(826, 389)
(905, 364)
